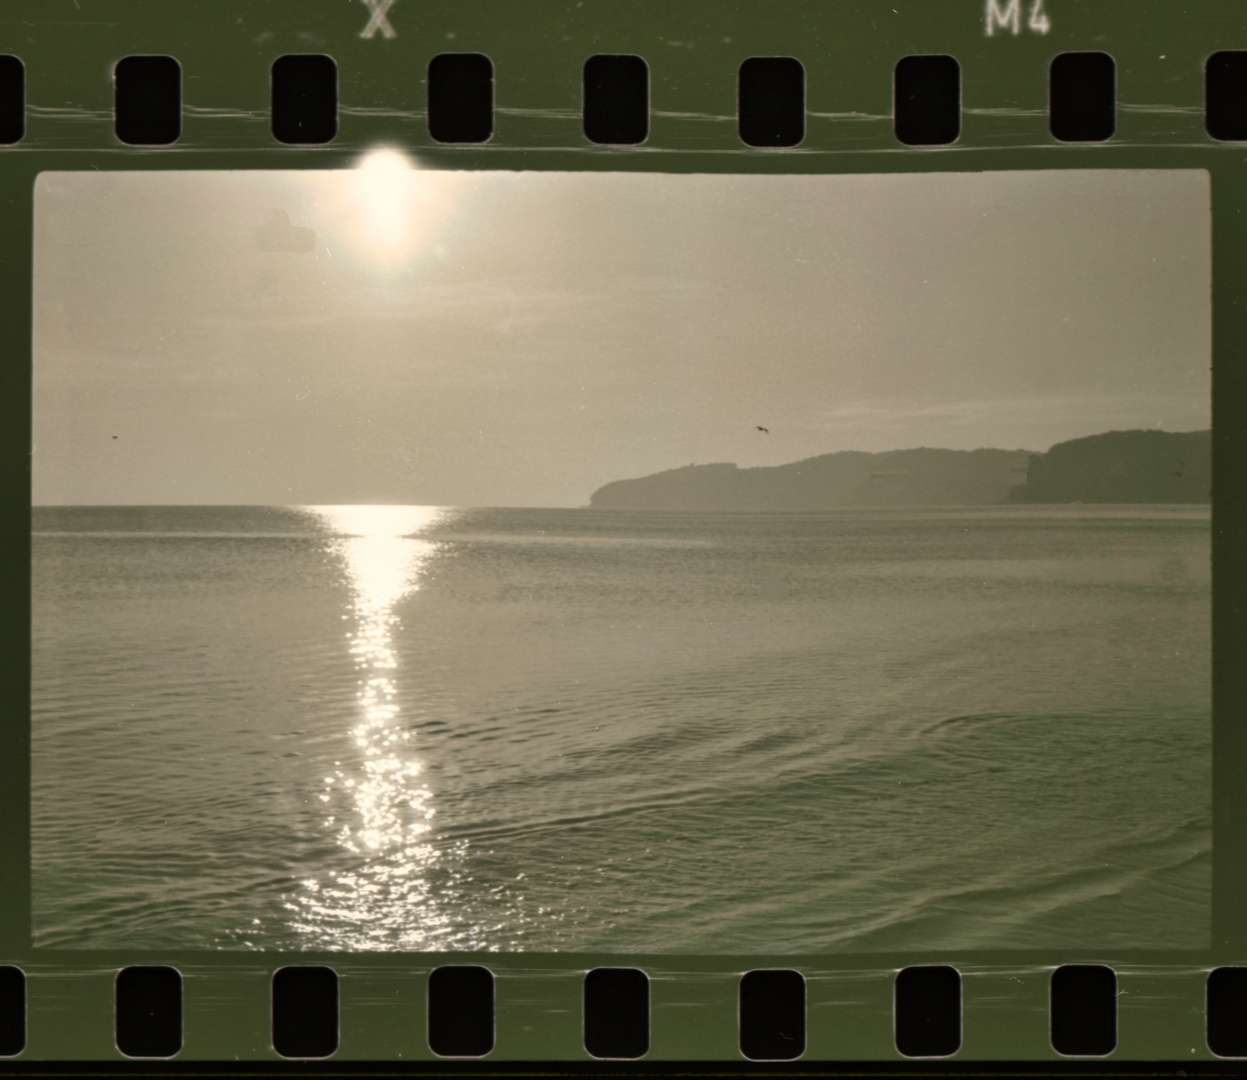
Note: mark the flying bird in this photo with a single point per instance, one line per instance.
(761, 428)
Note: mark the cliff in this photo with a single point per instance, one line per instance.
(921, 477)
(1122, 467)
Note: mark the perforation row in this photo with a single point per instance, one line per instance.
(771, 112)
(771, 1011)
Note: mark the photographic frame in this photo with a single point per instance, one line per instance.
(848, 62)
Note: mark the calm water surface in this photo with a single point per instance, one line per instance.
(430, 728)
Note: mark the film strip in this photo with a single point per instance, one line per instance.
(595, 533)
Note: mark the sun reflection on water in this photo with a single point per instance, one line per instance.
(378, 808)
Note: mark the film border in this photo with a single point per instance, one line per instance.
(69, 48)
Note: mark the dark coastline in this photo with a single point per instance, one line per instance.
(1115, 467)
(1122, 467)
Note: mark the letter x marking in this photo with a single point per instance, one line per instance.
(378, 21)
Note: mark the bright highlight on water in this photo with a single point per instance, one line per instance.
(391, 807)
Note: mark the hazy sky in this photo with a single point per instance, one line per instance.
(510, 338)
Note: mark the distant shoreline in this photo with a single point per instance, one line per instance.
(1116, 467)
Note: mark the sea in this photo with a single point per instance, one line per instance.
(378, 728)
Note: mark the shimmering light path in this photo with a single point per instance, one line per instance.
(379, 808)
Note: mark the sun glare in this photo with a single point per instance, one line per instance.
(388, 214)
(386, 190)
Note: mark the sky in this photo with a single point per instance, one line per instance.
(396, 334)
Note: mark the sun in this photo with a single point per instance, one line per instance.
(388, 211)
(386, 191)
(388, 215)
